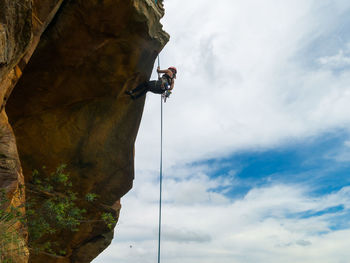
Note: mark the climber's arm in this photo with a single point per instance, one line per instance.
(164, 71)
(172, 85)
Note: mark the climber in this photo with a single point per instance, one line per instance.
(163, 85)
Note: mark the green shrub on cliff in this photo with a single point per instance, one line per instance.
(12, 243)
(52, 207)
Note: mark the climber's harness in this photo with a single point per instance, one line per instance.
(165, 84)
(166, 81)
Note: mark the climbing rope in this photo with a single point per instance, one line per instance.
(160, 171)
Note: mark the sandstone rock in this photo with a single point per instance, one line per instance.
(3, 45)
(15, 35)
(68, 105)
(16, 31)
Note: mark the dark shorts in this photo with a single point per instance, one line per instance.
(155, 86)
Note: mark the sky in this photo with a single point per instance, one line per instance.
(256, 138)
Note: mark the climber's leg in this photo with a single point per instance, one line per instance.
(156, 86)
(141, 88)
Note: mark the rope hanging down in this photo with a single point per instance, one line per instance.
(160, 171)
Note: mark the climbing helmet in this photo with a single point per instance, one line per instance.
(173, 69)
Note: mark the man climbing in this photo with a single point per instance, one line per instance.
(163, 85)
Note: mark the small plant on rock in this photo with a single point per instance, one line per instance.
(52, 206)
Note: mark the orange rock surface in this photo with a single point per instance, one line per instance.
(63, 92)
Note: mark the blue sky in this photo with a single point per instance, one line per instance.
(317, 162)
(256, 138)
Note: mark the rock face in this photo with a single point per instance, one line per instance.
(67, 102)
(15, 36)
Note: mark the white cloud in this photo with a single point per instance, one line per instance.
(341, 59)
(340, 154)
(180, 235)
(242, 84)
(264, 226)
(347, 143)
(241, 81)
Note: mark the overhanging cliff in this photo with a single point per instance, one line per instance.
(67, 102)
